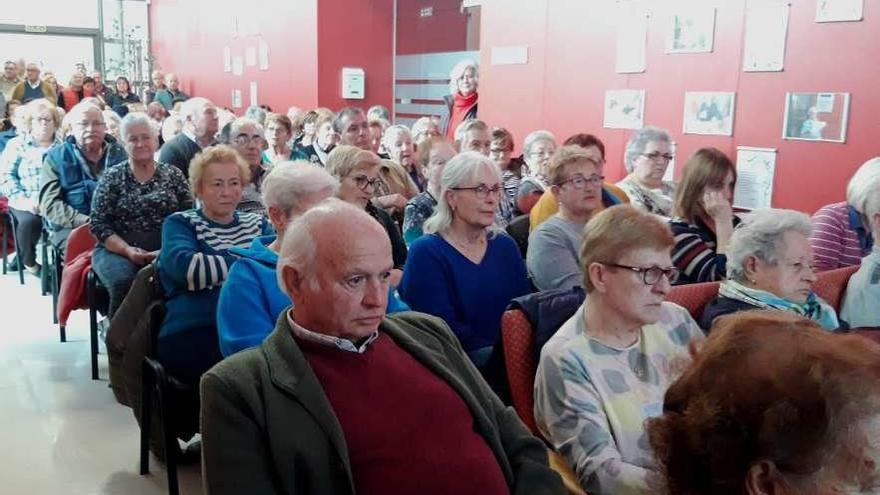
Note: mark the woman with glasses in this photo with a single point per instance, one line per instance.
(648, 154)
(357, 171)
(463, 269)
(576, 183)
(606, 370)
(703, 218)
(538, 147)
(279, 131)
(770, 266)
(247, 137)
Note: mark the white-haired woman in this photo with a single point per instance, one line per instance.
(20, 165)
(841, 231)
(129, 206)
(770, 266)
(461, 102)
(538, 147)
(398, 143)
(250, 300)
(463, 270)
(423, 129)
(648, 154)
(248, 138)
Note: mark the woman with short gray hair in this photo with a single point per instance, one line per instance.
(538, 147)
(130, 204)
(463, 270)
(770, 266)
(648, 154)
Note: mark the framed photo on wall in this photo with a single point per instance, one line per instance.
(691, 31)
(816, 116)
(709, 113)
(624, 109)
(839, 10)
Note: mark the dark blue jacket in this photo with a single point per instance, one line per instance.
(78, 183)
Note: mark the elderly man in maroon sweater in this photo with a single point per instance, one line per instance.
(341, 399)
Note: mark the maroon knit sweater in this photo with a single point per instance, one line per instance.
(406, 429)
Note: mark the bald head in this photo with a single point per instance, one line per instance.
(334, 264)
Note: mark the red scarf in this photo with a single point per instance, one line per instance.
(461, 105)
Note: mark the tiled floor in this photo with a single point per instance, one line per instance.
(61, 432)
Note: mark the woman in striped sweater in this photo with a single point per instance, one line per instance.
(195, 260)
(703, 218)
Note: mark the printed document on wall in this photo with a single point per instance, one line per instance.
(755, 168)
(632, 39)
(766, 28)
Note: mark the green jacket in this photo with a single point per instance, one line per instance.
(268, 428)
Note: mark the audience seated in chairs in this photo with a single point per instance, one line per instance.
(605, 371)
(648, 154)
(20, 165)
(842, 231)
(770, 266)
(199, 130)
(250, 299)
(195, 259)
(130, 204)
(576, 182)
(247, 137)
(703, 218)
(772, 404)
(332, 432)
(71, 170)
(357, 171)
(432, 157)
(464, 269)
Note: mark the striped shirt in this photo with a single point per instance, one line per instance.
(838, 238)
(694, 252)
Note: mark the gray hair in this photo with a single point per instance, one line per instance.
(237, 124)
(458, 71)
(135, 119)
(256, 113)
(422, 123)
(469, 125)
(378, 112)
(191, 107)
(299, 249)
(534, 137)
(81, 109)
(864, 185)
(289, 182)
(460, 171)
(760, 235)
(392, 132)
(347, 112)
(639, 141)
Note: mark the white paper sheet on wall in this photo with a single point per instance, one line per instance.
(237, 66)
(264, 55)
(236, 98)
(254, 93)
(632, 39)
(250, 56)
(839, 10)
(755, 169)
(766, 28)
(227, 59)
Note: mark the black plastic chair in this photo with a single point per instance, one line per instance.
(519, 230)
(98, 301)
(9, 225)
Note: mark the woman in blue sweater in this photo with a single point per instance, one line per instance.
(250, 300)
(195, 259)
(464, 269)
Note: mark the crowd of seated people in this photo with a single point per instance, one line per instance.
(291, 247)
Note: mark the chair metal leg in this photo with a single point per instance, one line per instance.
(21, 267)
(44, 270)
(172, 450)
(93, 322)
(56, 284)
(147, 385)
(3, 249)
(62, 333)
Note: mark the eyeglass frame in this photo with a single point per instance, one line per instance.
(594, 180)
(362, 182)
(482, 191)
(671, 273)
(250, 140)
(654, 156)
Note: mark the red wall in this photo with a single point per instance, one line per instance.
(571, 64)
(444, 31)
(355, 33)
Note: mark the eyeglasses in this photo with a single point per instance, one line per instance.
(657, 156)
(244, 140)
(651, 275)
(363, 182)
(91, 124)
(482, 191)
(580, 182)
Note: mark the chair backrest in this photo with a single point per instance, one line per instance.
(831, 285)
(80, 239)
(694, 297)
(519, 230)
(518, 339)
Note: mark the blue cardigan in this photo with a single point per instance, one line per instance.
(251, 301)
(471, 298)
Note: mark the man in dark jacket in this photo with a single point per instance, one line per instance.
(340, 399)
(199, 131)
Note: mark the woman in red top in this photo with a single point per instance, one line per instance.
(461, 104)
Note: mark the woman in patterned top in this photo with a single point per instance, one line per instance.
(130, 203)
(648, 154)
(20, 166)
(605, 371)
(433, 155)
(195, 260)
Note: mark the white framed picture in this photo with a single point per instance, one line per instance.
(839, 10)
(624, 109)
(691, 31)
(816, 116)
(709, 113)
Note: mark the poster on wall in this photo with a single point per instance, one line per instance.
(755, 169)
(766, 30)
(254, 99)
(227, 59)
(237, 65)
(839, 10)
(264, 55)
(236, 98)
(624, 109)
(632, 39)
(816, 116)
(691, 31)
(250, 56)
(709, 113)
